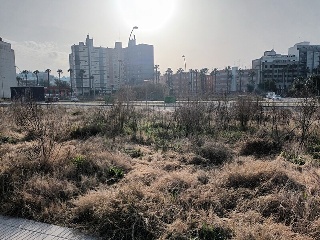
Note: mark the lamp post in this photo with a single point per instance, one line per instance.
(2, 87)
(70, 71)
(184, 62)
(135, 27)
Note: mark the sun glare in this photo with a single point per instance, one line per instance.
(148, 15)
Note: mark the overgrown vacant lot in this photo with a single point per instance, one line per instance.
(201, 172)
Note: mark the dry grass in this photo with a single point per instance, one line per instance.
(145, 180)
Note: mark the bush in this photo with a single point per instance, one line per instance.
(215, 154)
(114, 214)
(214, 233)
(260, 147)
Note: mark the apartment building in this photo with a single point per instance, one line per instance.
(139, 62)
(105, 70)
(7, 69)
(89, 67)
(308, 57)
(206, 83)
(277, 68)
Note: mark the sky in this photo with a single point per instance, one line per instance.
(209, 33)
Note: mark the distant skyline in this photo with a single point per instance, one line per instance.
(210, 33)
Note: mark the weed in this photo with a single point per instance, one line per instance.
(214, 233)
(10, 140)
(78, 161)
(260, 147)
(134, 153)
(115, 172)
(293, 157)
(216, 154)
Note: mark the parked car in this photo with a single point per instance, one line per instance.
(277, 97)
(51, 99)
(74, 99)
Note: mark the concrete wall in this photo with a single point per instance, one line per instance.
(7, 69)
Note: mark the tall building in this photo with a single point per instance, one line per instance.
(89, 67)
(277, 68)
(7, 69)
(103, 70)
(308, 57)
(139, 62)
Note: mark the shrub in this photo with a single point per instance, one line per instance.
(214, 233)
(191, 119)
(216, 154)
(293, 157)
(114, 214)
(134, 153)
(260, 147)
(5, 139)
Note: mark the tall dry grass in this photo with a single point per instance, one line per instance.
(201, 172)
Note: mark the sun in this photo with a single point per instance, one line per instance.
(148, 15)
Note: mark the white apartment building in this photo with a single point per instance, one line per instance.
(282, 69)
(308, 57)
(7, 69)
(96, 69)
(105, 70)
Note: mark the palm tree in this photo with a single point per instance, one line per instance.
(203, 73)
(70, 71)
(18, 80)
(214, 73)
(81, 73)
(240, 73)
(25, 72)
(48, 72)
(251, 74)
(196, 72)
(169, 80)
(36, 72)
(59, 73)
(156, 67)
(180, 71)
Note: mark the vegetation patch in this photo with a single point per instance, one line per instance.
(214, 153)
(76, 171)
(260, 147)
(214, 233)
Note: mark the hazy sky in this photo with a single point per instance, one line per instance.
(210, 33)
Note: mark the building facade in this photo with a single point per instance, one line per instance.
(276, 69)
(89, 67)
(308, 57)
(202, 83)
(103, 70)
(139, 62)
(7, 69)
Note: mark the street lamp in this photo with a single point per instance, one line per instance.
(185, 63)
(135, 27)
(2, 87)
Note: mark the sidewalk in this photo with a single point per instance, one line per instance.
(22, 229)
